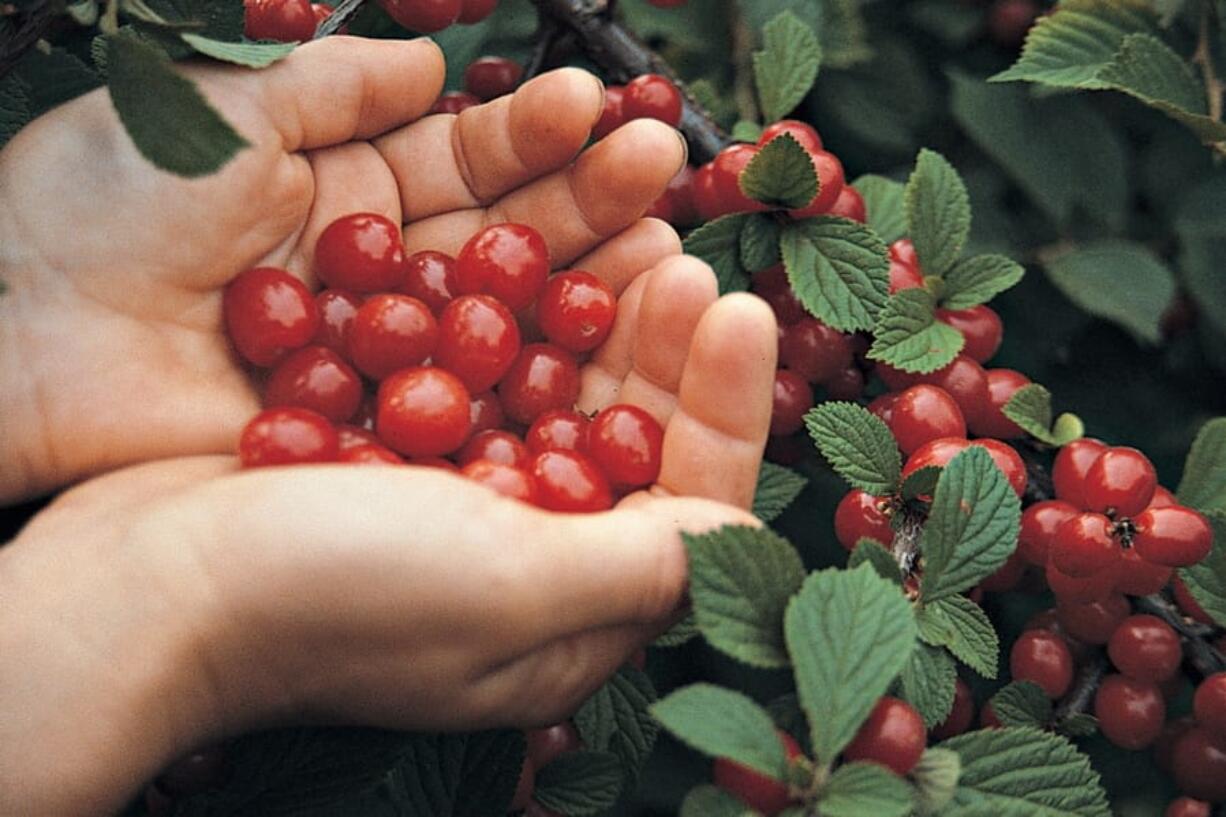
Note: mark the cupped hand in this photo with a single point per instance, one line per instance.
(111, 343)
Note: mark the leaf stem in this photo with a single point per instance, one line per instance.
(1080, 698)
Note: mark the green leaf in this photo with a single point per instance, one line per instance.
(777, 488)
(579, 784)
(740, 581)
(1206, 580)
(839, 270)
(251, 55)
(1023, 771)
(781, 175)
(936, 780)
(849, 633)
(860, 789)
(843, 33)
(746, 131)
(977, 280)
(920, 482)
(170, 123)
(53, 78)
(680, 633)
(709, 801)
(1078, 725)
(938, 212)
(760, 242)
(858, 446)
(909, 337)
(972, 639)
(883, 201)
(1030, 408)
(743, 731)
(14, 107)
(617, 719)
(875, 554)
(1202, 238)
(928, 683)
(1022, 703)
(718, 243)
(1204, 472)
(786, 67)
(972, 527)
(1120, 281)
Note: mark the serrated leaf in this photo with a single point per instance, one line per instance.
(860, 789)
(874, 553)
(883, 201)
(972, 527)
(938, 212)
(934, 627)
(746, 131)
(455, 775)
(1120, 281)
(1021, 770)
(760, 242)
(839, 270)
(979, 279)
(781, 174)
(718, 243)
(858, 446)
(927, 683)
(909, 337)
(920, 482)
(849, 633)
(936, 780)
(1022, 703)
(740, 581)
(972, 638)
(579, 784)
(680, 633)
(14, 107)
(170, 123)
(1030, 408)
(1204, 472)
(53, 78)
(785, 711)
(1078, 725)
(709, 801)
(617, 718)
(743, 731)
(777, 488)
(1206, 580)
(251, 55)
(786, 67)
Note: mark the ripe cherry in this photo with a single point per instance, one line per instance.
(612, 116)
(454, 102)
(287, 436)
(1002, 385)
(350, 436)
(964, 380)
(373, 454)
(1043, 658)
(1084, 545)
(792, 399)
(1121, 482)
(1198, 763)
(391, 332)
(846, 385)
(1136, 576)
(1039, 524)
(1187, 603)
(761, 793)
(651, 96)
(497, 446)
(362, 252)
(1209, 704)
(478, 340)
(286, 21)
(859, 516)
(727, 168)
(430, 278)
(1068, 472)
(542, 377)
(893, 736)
(507, 480)
(423, 412)
(508, 261)
(960, 716)
(1175, 536)
(1130, 712)
(315, 378)
(570, 482)
(1007, 577)
(336, 311)
(850, 204)
(980, 326)
(924, 413)
(485, 412)
(490, 77)
(771, 284)
(626, 442)
(560, 429)
(940, 451)
(575, 310)
(707, 202)
(1188, 807)
(1146, 648)
(1067, 588)
(831, 180)
(883, 406)
(423, 16)
(814, 350)
(802, 132)
(1163, 498)
(1093, 622)
(544, 745)
(1009, 20)
(268, 313)
(902, 274)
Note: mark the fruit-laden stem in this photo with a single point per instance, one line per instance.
(1080, 699)
(1198, 649)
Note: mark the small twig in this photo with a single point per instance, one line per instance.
(547, 35)
(339, 17)
(743, 90)
(1198, 649)
(1080, 698)
(906, 545)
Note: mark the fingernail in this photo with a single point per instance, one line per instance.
(685, 150)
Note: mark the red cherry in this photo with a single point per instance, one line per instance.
(559, 429)
(831, 180)
(939, 452)
(707, 201)
(1130, 712)
(924, 413)
(904, 276)
(626, 442)
(544, 745)
(494, 445)
(287, 436)
(1209, 704)
(286, 21)
(423, 16)
(676, 204)
(1007, 577)
(980, 326)
(1198, 763)
(1068, 472)
(575, 310)
(612, 116)
(652, 96)
(391, 332)
(960, 716)
(1072, 589)
(1146, 648)
(1163, 498)
(771, 284)
(478, 340)
(474, 11)
(508, 261)
(1165, 744)
(362, 252)
(846, 385)
(1002, 385)
(1188, 807)
(569, 482)
(507, 480)
(1120, 482)
(1187, 603)
(1039, 524)
(490, 77)
(1043, 658)
(336, 311)
(423, 412)
(883, 406)
(350, 436)
(1009, 20)
(1175, 537)
(850, 204)
(792, 399)
(859, 516)
(893, 736)
(268, 313)
(727, 169)
(315, 378)
(800, 131)
(370, 455)
(1083, 546)
(542, 377)
(430, 278)
(964, 379)
(485, 412)
(814, 350)
(454, 102)
(1093, 622)
(903, 251)
(1137, 576)
(765, 795)
(988, 718)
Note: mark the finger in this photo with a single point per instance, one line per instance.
(714, 441)
(607, 188)
(631, 252)
(340, 88)
(600, 381)
(448, 163)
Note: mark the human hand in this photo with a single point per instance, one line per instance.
(113, 351)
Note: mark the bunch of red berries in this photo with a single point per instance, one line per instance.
(485, 78)
(429, 16)
(649, 96)
(287, 21)
(422, 357)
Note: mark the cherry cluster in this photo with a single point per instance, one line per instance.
(484, 79)
(287, 21)
(429, 16)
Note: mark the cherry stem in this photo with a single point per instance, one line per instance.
(1080, 698)
(340, 16)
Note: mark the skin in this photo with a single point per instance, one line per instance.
(166, 599)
